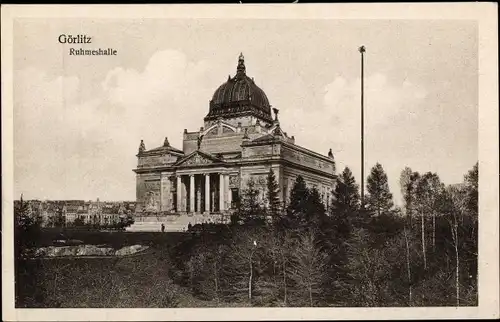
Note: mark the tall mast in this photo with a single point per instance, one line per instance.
(362, 51)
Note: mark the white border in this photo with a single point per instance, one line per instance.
(484, 13)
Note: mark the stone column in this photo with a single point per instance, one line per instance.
(179, 193)
(228, 192)
(198, 195)
(221, 192)
(207, 192)
(191, 193)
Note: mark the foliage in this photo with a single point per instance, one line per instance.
(251, 211)
(305, 209)
(273, 200)
(346, 193)
(379, 198)
(471, 180)
(348, 258)
(59, 219)
(307, 271)
(298, 204)
(78, 222)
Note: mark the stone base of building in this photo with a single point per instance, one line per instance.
(177, 222)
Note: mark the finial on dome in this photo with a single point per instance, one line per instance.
(166, 143)
(142, 147)
(241, 65)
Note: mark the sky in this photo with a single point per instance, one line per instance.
(78, 120)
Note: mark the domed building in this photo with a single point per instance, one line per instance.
(240, 141)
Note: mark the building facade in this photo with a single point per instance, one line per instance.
(240, 140)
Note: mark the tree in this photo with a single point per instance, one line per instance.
(79, 222)
(204, 268)
(305, 207)
(346, 194)
(315, 210)
(456, 209)
(59, 220)
(379, 198)
(471, 180)
(408, 181)
(272, 196)
(307, 270)
(241, 265)
(298, 203)
(251, 210)
(404, 182)
(26, 236)
(428, 191)
(27, 229)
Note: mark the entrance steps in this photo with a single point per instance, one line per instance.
(174, 222)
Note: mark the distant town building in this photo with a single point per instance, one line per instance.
(87, 212)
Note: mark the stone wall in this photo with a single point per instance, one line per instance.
(167, 189)
(306, 159)
(258, 174)
(148, 191)
(228, 142)
(155, 160)
(260, 151)
(322, 184)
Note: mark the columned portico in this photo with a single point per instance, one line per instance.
(192, 197)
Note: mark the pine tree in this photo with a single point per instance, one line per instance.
(272, 196)
(315, 210)
(379, 198)
(250, 210)
(346, 194)
(298, 203)
(23, 228)
(345, 206)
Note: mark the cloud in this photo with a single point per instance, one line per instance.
(170, 87)
(337, 122)
(68, 145)
(84, 147)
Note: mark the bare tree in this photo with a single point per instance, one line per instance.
(457, 207)
(408, 267)
(307, 268)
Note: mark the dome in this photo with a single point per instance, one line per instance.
(239, 96)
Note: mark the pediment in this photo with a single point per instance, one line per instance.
(198, 158)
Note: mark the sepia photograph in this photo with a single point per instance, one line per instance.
(166, 159)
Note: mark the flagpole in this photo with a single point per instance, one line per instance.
(362, 51)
